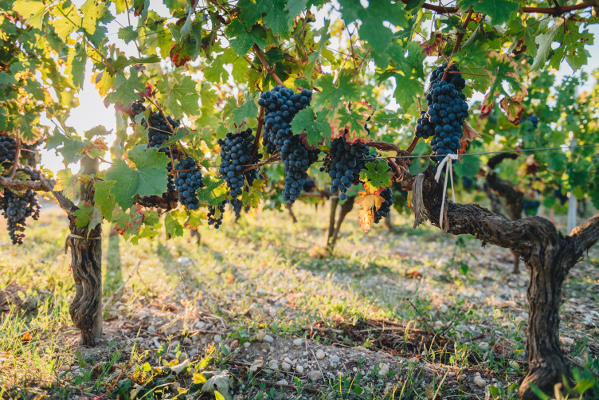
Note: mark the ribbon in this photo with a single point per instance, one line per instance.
(446, 162)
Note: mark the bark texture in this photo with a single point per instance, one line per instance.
(344, 210)
(548, 255)
(86, 265)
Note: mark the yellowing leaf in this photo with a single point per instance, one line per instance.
(198, 379)
(370, 202)
(365, 219)
(218, 396)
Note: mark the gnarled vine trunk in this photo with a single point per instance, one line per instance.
(548, 255)
(86, 265)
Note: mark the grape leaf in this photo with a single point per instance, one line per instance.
(183, 97)
(126, 89)
(376, 175)
(33, 11)
(513, 109)
(214, 193)
(147, 178)
(249, 109)
(66, 183)
(500, 11)
(172, 225)
(294, 8)
(408, 66)
(335, 93)
(275, 19)
(104, 199)
(318, 129)
(545, 40)
(241, 40)
(370, 202)
(89, 216)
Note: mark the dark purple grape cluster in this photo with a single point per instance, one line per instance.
(237, 206)
(447, 109)
(8, 148)
(385, 208)
(212, 220)
(236, 153)
(309, 185)
(187, 182)
(534, 120)
(160, 130)
(344, 163)
(281, 105)
(16, 208)
(137, 108)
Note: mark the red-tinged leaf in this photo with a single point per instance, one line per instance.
(469, 133)
(487, 106)
(513, 109)
(148, 92)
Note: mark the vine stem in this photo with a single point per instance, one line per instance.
(258, 132)
(169, 125)
(539, 10)
(457, 43)
(412, 145)
(268, 68)
(15, 162)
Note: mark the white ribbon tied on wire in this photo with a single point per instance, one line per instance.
(448, 164)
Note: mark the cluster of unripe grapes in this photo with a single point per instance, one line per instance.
(281, 105)
(344, 163)
(447, 109)
(236, 153)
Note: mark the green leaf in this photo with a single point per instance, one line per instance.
(376, 175)
(313, 58)
(33, 11)
(172, 225)
(275, 19)
(294, 8)
(89, 216)
(103, 199)
(545, 40)
(66, 183)
(128, 34)
(126, 89)
(500, 11)
(468, 166)
(540, 394)
(335, 93)
(408, 67)
(183, 98)
(76, 65)
(148, 177)
(242, 39)
(249, 109)
(214, 193)
(318, 129)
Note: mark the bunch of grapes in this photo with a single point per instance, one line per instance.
(188, 181)
(160, 130)
(344, 163)
(212, 220)
(237, 206)
(385, 208)
(309, 185)
(534, 120)
(281, 105)
(137, 108)
(447, 109)
(16, 208)
(236, 153)
(8, 148)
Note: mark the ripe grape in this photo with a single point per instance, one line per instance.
(16, 208)
(385, 208)
(534, 120)
(447, 109)
(212, 220)
(237, 206)
(8, 148)
(281, 105)
(309, 185)
(160, 130)
(236, 153)
(187, 182)
(344, 163)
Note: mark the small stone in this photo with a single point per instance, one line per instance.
(334, 359)
(443, 308)
(483, 345)
(314, 375)
(187, 341)
(247, 345)
(261, 292)
(217, 338)
(298, 342)
(268, 339)
(383, 370)
(200, 325)
(320, 354)
(282, 382)
(234, 344)
(299, 369)
(193, 352)
(257, 364)
(265, 346)
(286, 366)
(273, 364)
(480, 382)
(151, 329)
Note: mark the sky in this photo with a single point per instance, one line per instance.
(92, 111)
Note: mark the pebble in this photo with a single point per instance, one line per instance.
(299, 369)
(151, 329)
(273, 364)
(282, 382)
(193, 352)
(268, 339)
(257, 364)
(320, 354)
(286, 366)
(483, 345)
(187, 341)
(334, 359)
(200, 325)
(247, 345)
(480, 382)
(234, 344)
(314, 375)
(384, 370)
(261, 292)
(217, 338)
(298, 342)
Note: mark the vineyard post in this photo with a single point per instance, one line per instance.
(86, 264)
